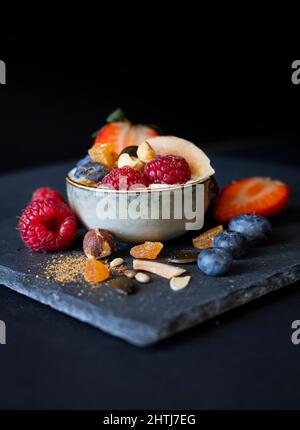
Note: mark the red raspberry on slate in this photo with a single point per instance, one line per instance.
(46, 193)
(48, 225)
(168, 169)
(124, 178)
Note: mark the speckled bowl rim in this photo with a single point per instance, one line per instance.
(71, 181)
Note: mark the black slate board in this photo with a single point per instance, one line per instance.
(155, 311)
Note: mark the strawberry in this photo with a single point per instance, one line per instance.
(259, 195)
(121, 133)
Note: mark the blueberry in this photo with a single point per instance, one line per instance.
(255, 228)
(84, 160)
(233, 242)
(214, 261)
(91, 171)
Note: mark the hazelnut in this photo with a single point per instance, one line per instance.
(98, 243)
(145, 152)
(127, 160)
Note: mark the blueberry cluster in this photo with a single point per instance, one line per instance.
(87, 169)
(243, 231)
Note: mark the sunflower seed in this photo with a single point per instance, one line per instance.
(142, 277)
(116, 262)
(179, 283)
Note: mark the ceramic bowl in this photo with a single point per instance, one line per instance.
(152, 214)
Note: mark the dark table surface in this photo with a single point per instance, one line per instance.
(244, 359)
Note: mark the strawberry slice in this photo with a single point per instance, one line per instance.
(121, 133)
(259, 195)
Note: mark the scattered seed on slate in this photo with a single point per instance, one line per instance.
(129, 273)
(184, 258)
(122, 285)
(116, 262)
(179, 282)
(143, 278)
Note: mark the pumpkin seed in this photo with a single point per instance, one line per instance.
(122, 285)
(184, 257)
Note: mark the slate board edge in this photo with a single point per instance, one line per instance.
(274, 282)
(140, 334)
(137, 334)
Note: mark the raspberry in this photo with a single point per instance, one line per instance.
(168, 169)
(47, 225)
(46, 193)
(125, 178)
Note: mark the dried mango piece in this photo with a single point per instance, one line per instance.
(205, 240)
(147, 250)
(104, 153)
(95, 271)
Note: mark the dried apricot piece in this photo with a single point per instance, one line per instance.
(104, 153)
(95, 271)
(148, 250)
(205, 240)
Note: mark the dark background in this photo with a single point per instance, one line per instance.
(60, 90)
(227, 99)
